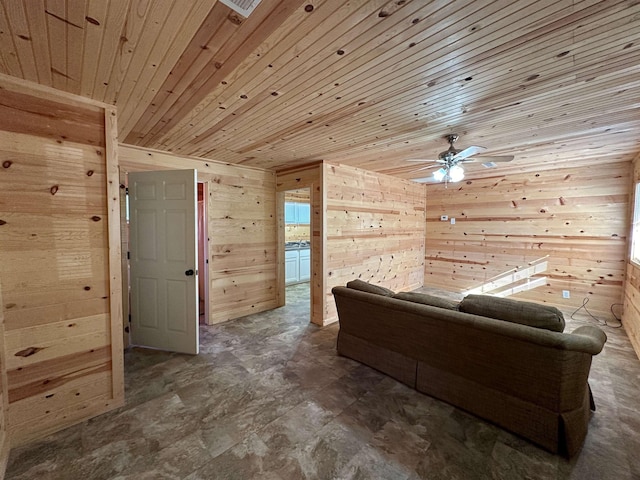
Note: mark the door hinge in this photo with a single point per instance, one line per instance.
(128, 255)
(129, 318)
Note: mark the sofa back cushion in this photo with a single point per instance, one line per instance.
(515, 311)
(370, 288)
(426, 299)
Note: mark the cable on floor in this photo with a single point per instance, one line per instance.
(603, 323)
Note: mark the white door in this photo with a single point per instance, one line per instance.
(164, 259)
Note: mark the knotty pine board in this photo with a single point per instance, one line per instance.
(577, 216)
(242, 229)
(295, 233)
(59, 242)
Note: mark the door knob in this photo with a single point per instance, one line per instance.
(189, 272)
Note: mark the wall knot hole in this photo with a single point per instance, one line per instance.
(27, 352)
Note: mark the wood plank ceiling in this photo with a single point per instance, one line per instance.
(368, 83)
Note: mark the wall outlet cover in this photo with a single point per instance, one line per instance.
(566, 294)
(444, 218)
(453, 221)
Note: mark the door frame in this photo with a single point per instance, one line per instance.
(205, 248)
(124, 234)
(311, 176)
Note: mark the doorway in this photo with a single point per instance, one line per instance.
(297, 247)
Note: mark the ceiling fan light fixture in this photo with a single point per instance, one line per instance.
(439, 174)
(456, 173)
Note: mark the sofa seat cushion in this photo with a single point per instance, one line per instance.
(370, 288)
(426, 299)
(515, 311)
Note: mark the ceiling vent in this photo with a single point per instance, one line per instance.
(243, 7)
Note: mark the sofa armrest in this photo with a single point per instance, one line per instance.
(590, 339)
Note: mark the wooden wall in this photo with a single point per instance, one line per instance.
(295, 233)
(312, 177)
(375, 230)
(59, 259)
(242, 229)
(631, 315)
(577, 216)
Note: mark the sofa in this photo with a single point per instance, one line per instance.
(482, 355)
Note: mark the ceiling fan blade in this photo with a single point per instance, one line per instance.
(429, 179)
(427, 167)
(421, 160)
(505, 158)
(467, 152)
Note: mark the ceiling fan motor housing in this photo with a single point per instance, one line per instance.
(447, 155)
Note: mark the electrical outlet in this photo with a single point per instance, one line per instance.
(566, 294)
(444, 218)
(453, 221)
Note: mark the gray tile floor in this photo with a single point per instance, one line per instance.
(268, 398)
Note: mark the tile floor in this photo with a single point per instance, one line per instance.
(268, 398)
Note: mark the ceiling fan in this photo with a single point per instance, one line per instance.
(449, 162)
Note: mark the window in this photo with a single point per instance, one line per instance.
(635, 228)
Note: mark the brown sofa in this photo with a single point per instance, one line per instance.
(531, 381)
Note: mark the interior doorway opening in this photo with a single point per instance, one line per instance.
(297, 247)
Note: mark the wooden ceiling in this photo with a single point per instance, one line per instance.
(368, 83)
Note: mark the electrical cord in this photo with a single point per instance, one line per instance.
(603, 323)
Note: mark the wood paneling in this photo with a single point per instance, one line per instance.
(59, 260)
(375, 231)
(631, 313)
(369, 84)
(302, 195)
(577, 216)
(296, 233)
(242, 229)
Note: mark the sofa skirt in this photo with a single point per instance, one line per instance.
(562, 433)
(391, 363)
